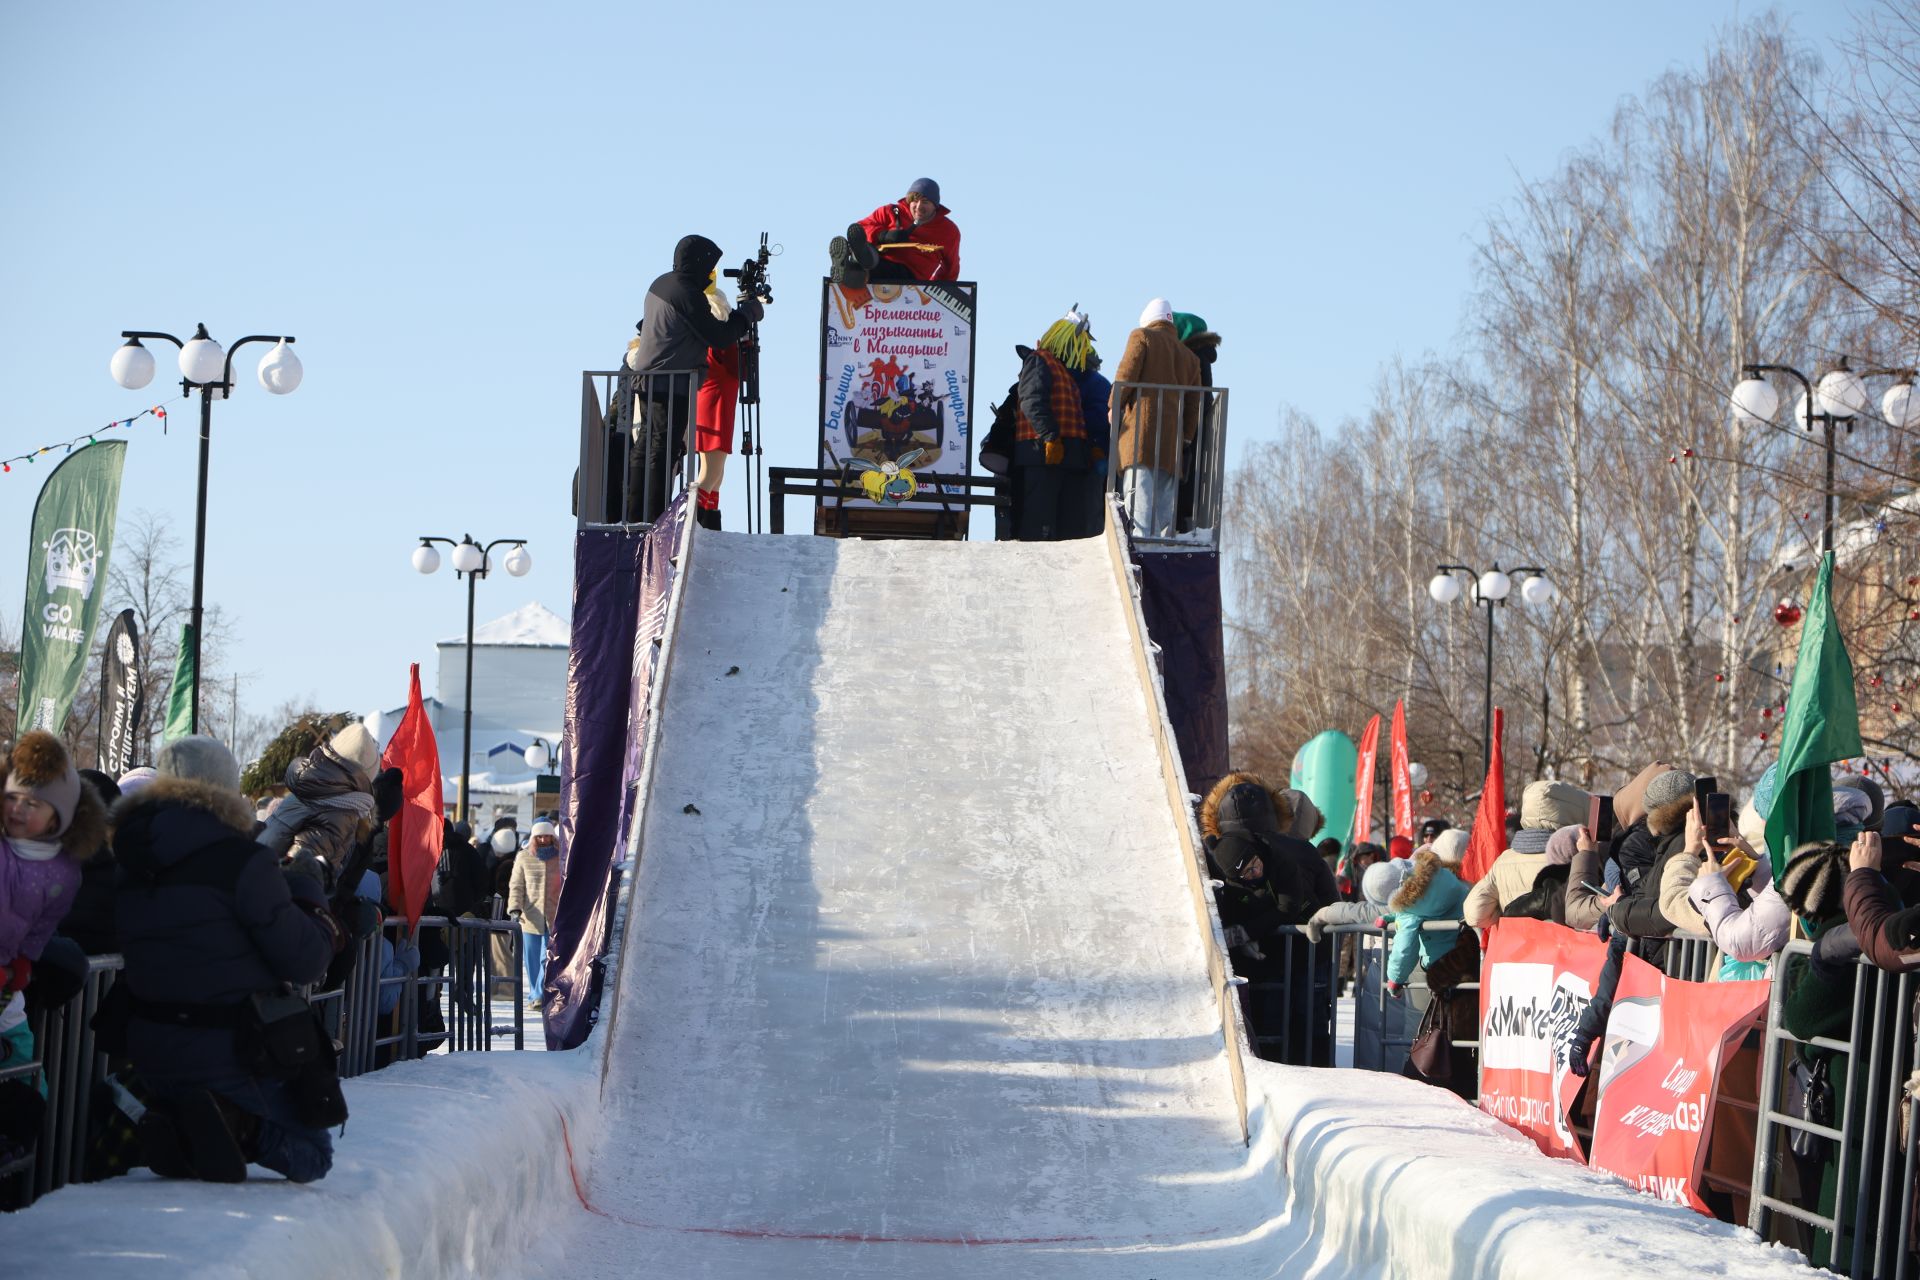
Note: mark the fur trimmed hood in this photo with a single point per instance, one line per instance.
(86, 835)
(1668, 818)
(230, 808)
(1210, 807)
(1426, 865)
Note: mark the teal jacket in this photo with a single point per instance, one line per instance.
(1432, 892)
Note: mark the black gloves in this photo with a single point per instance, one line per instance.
(899, 235)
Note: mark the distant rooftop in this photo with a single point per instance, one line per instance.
(531, 626)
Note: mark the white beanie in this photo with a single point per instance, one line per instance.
(357, 747)
(1383, 880)
(1450, 846)
(505, 840)
(544, 828)
(1157, 310)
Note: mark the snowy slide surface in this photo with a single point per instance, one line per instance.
(911, 979)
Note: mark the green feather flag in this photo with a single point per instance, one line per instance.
(180, 698)
(1822, 725)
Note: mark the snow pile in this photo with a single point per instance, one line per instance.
(531, 624)
(453, 1166)
(1388, 1177)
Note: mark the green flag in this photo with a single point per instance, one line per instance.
(180, 697)
(1822, 725)
(66, 577)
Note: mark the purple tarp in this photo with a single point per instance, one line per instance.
(621, 582)
(1180, 599)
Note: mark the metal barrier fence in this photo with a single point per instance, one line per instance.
(76, 1074)
(1172, 442)
(1858, 1151)
(636, 445)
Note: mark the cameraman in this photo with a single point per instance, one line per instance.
(909, 239)
(677, 331)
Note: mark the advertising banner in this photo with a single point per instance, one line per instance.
(1363, 773)
(1535, 981)
(1658, 1073)
(1400, 774)
(896, 379)
(123, 696)
(66, 578)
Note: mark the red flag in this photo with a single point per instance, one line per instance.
(1400, 775)
(1490, 822)
(414, 836)
(1363, 783)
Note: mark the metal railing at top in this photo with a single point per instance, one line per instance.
(458, 994)
(636, 445)
(1168, 462)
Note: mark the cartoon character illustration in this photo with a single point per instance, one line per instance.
(889, 483)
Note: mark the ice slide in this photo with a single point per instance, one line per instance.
(913, 984)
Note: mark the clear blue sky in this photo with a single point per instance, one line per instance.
(458, 208)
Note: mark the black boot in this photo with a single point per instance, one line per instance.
(852, 257)
(708, 517)
(214, 1136)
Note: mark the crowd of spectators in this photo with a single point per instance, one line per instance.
(227, 918)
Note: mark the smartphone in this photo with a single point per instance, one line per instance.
(1600, 819)
(1717, 817)
(1593, 889)
(1702, 788)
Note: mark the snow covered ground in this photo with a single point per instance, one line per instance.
(911, 985)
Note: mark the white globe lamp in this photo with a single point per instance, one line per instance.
(425, 558)
(518, 562)
(280, 370)
(1445, 588)
(1495, 585)
(467, 557)
(132, 365)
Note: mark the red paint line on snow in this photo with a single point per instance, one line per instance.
(836, 1237)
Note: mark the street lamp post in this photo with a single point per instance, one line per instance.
(1490, 589)
(471, 561)
(1837, 398)
(205, 368)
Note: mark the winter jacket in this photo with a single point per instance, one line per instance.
(938, 231)
(461, 883)
(1638, 913)
(327, 814)
(205, 918)
(1153, 425)
(533, 889)
(1584, 911)
(1049, 411)
(1096, 394)
(1432, 892)
(37, 893)
(679, 324)
(1511, 875)
(1750, 932)
(1888, 929)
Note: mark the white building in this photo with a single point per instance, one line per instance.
(519, 696)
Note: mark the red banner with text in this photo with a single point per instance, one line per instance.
(1535, 981)
(1658, 1074)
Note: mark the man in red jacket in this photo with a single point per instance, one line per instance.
(910, 239)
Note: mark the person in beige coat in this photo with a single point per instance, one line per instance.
(1151, 426)
(1545, 807)
(532, 895)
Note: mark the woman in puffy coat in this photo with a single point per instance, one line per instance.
(208, 923)
(1431, 892)
(1545, 807)
(1730, 897)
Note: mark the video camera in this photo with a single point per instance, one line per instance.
(752, 274)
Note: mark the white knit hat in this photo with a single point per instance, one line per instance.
(1450, 846)
(544, 828)
(357, 747)
(1156, 311)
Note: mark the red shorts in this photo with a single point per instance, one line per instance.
(714, 403)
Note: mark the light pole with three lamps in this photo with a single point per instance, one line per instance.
(471, 561)
(1837, 399)
(1491, 588)
(205, 368)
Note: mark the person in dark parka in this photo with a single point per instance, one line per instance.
(677, 329)
(207, 921)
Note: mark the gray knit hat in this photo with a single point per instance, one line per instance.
(201, 759)
(1674, 784)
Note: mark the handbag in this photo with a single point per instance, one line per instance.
(1432, 1050)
